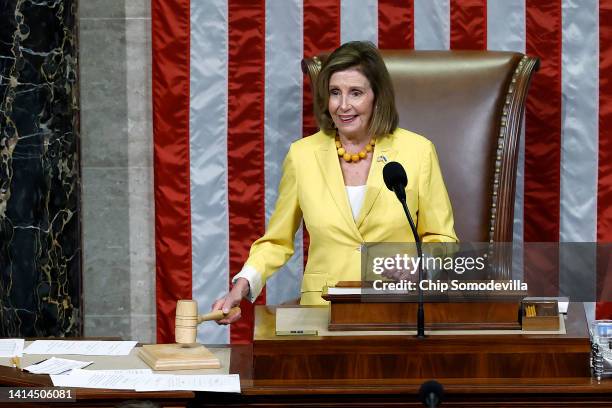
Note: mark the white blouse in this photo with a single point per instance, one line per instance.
(356, 195)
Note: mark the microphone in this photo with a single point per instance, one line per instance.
(396, 180)
(431, 393)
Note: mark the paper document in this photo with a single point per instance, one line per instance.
(134, 371)
(86, 348)
(92, 379)
(296, 321)
(334, 290)
(169, 382)
(56, 365)
(147, 382)
(11, 347)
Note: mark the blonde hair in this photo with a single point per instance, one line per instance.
(363, 56)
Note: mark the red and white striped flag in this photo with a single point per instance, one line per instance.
(229, 97)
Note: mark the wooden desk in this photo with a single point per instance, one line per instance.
(367, 372)
(481, 371)
(12, 377)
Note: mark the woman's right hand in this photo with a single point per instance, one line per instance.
(233, 298)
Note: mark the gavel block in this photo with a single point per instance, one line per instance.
(186, 354)
(165, 357)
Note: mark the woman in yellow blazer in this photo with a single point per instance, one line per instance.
(333, 181)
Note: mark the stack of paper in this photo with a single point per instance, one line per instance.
(124, 380)
(169, 382)
(69, 373)
(85, 347)
(11, 347)
(93, 379)
(56, 365)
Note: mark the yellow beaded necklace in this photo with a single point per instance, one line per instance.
(354, 158)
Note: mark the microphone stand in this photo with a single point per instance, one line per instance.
(431, 393)
(421, 310)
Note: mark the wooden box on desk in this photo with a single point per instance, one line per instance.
(540, 314)
(350, 310)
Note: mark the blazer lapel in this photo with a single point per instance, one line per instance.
(383, 153)
(327, 158)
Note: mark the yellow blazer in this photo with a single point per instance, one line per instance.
(312, 187)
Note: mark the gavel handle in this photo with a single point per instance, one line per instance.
(217, 315)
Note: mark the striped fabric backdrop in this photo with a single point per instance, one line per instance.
(229, 98)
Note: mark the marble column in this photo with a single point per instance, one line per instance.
(40, 246)
(117, 166)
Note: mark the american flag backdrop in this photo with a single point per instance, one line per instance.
(229, 97)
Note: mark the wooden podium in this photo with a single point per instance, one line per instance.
(353, 311)
(404, 356)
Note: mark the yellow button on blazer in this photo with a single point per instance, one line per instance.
(312, 188)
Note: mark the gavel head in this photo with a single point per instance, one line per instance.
(186, 321)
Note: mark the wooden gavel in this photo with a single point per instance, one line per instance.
(187, 320)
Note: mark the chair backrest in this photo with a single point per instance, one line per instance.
(470, 104)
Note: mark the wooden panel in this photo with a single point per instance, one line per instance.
(387, 357)
(438, 316)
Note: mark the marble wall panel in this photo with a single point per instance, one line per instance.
(142, 252)
(40, 252)
(106, 280)
(138, 76)
(118, 223)
(117, 9)
(140, 173)
(103, 92)
(107, 325)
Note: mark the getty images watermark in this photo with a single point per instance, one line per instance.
(403, 265)
(476, 268)
(466, 271)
